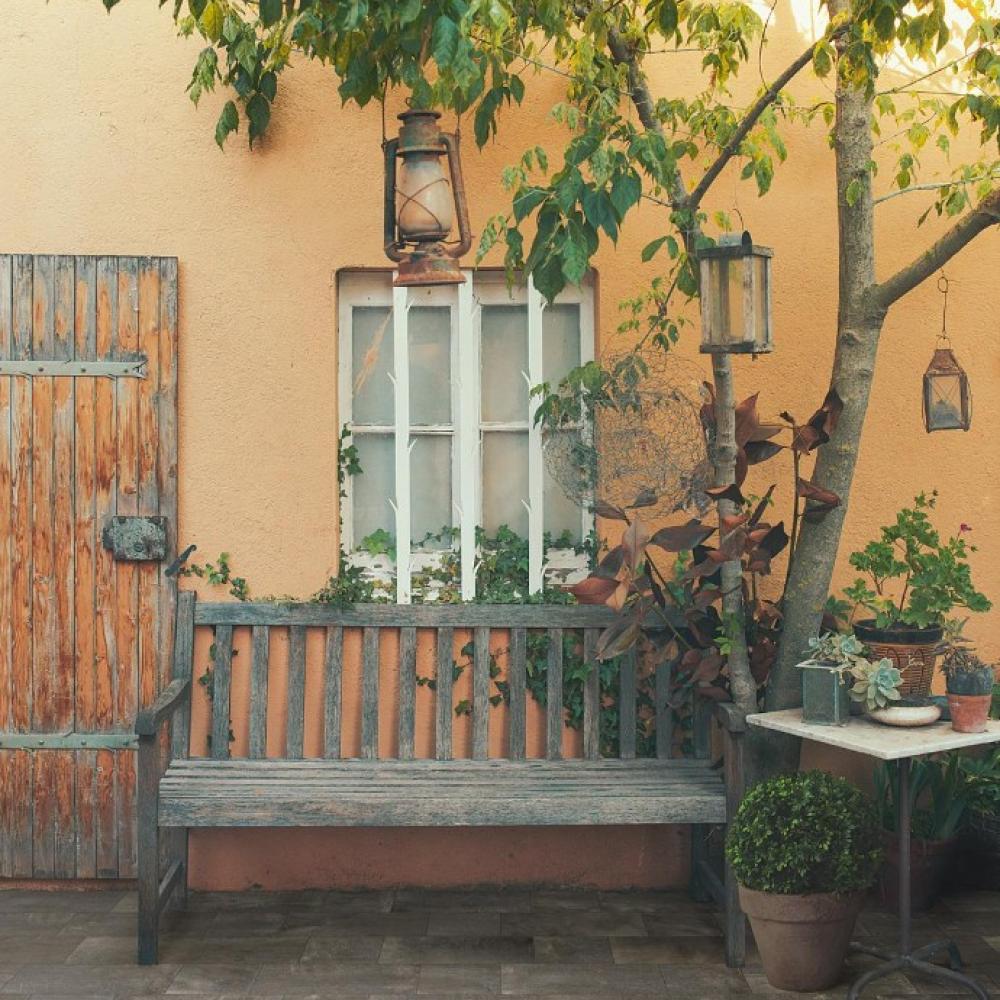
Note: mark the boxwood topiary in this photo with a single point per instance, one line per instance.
(805, 833)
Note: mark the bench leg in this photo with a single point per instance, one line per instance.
(736, 923)
(700, 833)
(148, 835)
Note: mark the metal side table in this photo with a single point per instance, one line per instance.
(888, 743)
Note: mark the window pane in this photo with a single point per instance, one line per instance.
(371, 349)
(430, 486)
(504, 358)
(560, 341)
(505, 481)
(429, 337)
(373, 489)
(561, 513)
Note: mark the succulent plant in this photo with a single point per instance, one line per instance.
(836, 650)
(876, 684)
(963, 669)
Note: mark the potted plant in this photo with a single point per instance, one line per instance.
(969, 684)
(981, 836)
(825, 675)
(913, 579)
(938, 805)
(804, 848)
(877, 686)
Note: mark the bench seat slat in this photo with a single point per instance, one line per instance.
(370, 794)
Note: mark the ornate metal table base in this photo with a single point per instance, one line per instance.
(907, 958)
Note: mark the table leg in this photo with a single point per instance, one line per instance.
(907, 957)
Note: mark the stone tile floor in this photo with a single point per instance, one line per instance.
(559, 945)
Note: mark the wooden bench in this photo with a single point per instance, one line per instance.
(178, 790)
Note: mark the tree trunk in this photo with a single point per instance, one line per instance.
(859, 323)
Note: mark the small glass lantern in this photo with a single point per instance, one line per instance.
(947, 399)
(735, 296)
(421, 203)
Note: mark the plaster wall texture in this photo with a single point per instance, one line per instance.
(103, 153)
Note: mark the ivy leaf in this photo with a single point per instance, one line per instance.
(229, 121)
(270, 12)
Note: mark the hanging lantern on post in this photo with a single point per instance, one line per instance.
(421, 204)
(947, 399)
(735, 296)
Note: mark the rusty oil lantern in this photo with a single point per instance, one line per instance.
(421, 203)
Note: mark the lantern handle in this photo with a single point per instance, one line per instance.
(464, 244)
(943, 284)
(391, 245)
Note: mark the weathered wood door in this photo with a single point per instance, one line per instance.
(82, 636)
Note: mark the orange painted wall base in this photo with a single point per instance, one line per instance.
(647, 857)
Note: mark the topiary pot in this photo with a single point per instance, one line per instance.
(802, 940)
(913, 652)
(970, 693)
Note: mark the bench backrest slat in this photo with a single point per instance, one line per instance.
(480, 692)
(221, 677)
(295, 733)
(369, 693)
(498, 664)
(626, 706)
(333, 690)
(260, 654)
(554, 696)
(516, 685)
(443, 693)
(407, 691)
(591, 696)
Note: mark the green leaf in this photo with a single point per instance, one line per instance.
(270, 12)
(197, 8)
(211, 21)
(444, 41)
(650, 250)
(229, 121)
(625, 192)
(853, 192)
(667, 17)
(527, 200)
(269, 85)
(574, 258)
(258, 114)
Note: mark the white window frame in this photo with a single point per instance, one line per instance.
(465, 301)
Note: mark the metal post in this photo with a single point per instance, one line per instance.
(903, 820)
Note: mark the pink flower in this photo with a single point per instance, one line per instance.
(963, 528)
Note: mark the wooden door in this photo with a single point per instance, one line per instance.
(82, 635)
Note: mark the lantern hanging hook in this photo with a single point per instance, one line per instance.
(943, 285)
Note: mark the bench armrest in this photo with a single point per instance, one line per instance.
(148, 721)
(732, 718)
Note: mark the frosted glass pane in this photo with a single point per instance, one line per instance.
(504, 356)
(561, 513)
(372, 490)
(560, 341)
(505, 481)
(429, 338)
(371, 350)
(430, 486)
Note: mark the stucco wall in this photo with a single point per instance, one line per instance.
(102, 153)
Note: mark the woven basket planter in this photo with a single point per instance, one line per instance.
(913, 652)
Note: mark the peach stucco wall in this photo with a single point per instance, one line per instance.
(102, 153)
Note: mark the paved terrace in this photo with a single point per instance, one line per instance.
(81, 946)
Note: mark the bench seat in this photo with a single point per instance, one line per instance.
(293, 793)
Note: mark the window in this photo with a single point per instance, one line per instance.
(435, 386)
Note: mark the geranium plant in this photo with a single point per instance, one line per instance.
(912, 576)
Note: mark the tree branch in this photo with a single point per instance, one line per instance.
(986, 214)
(750, 119)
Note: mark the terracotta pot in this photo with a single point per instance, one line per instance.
(969, 712)
(802, 940)
(931, 863)
(913, 652)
